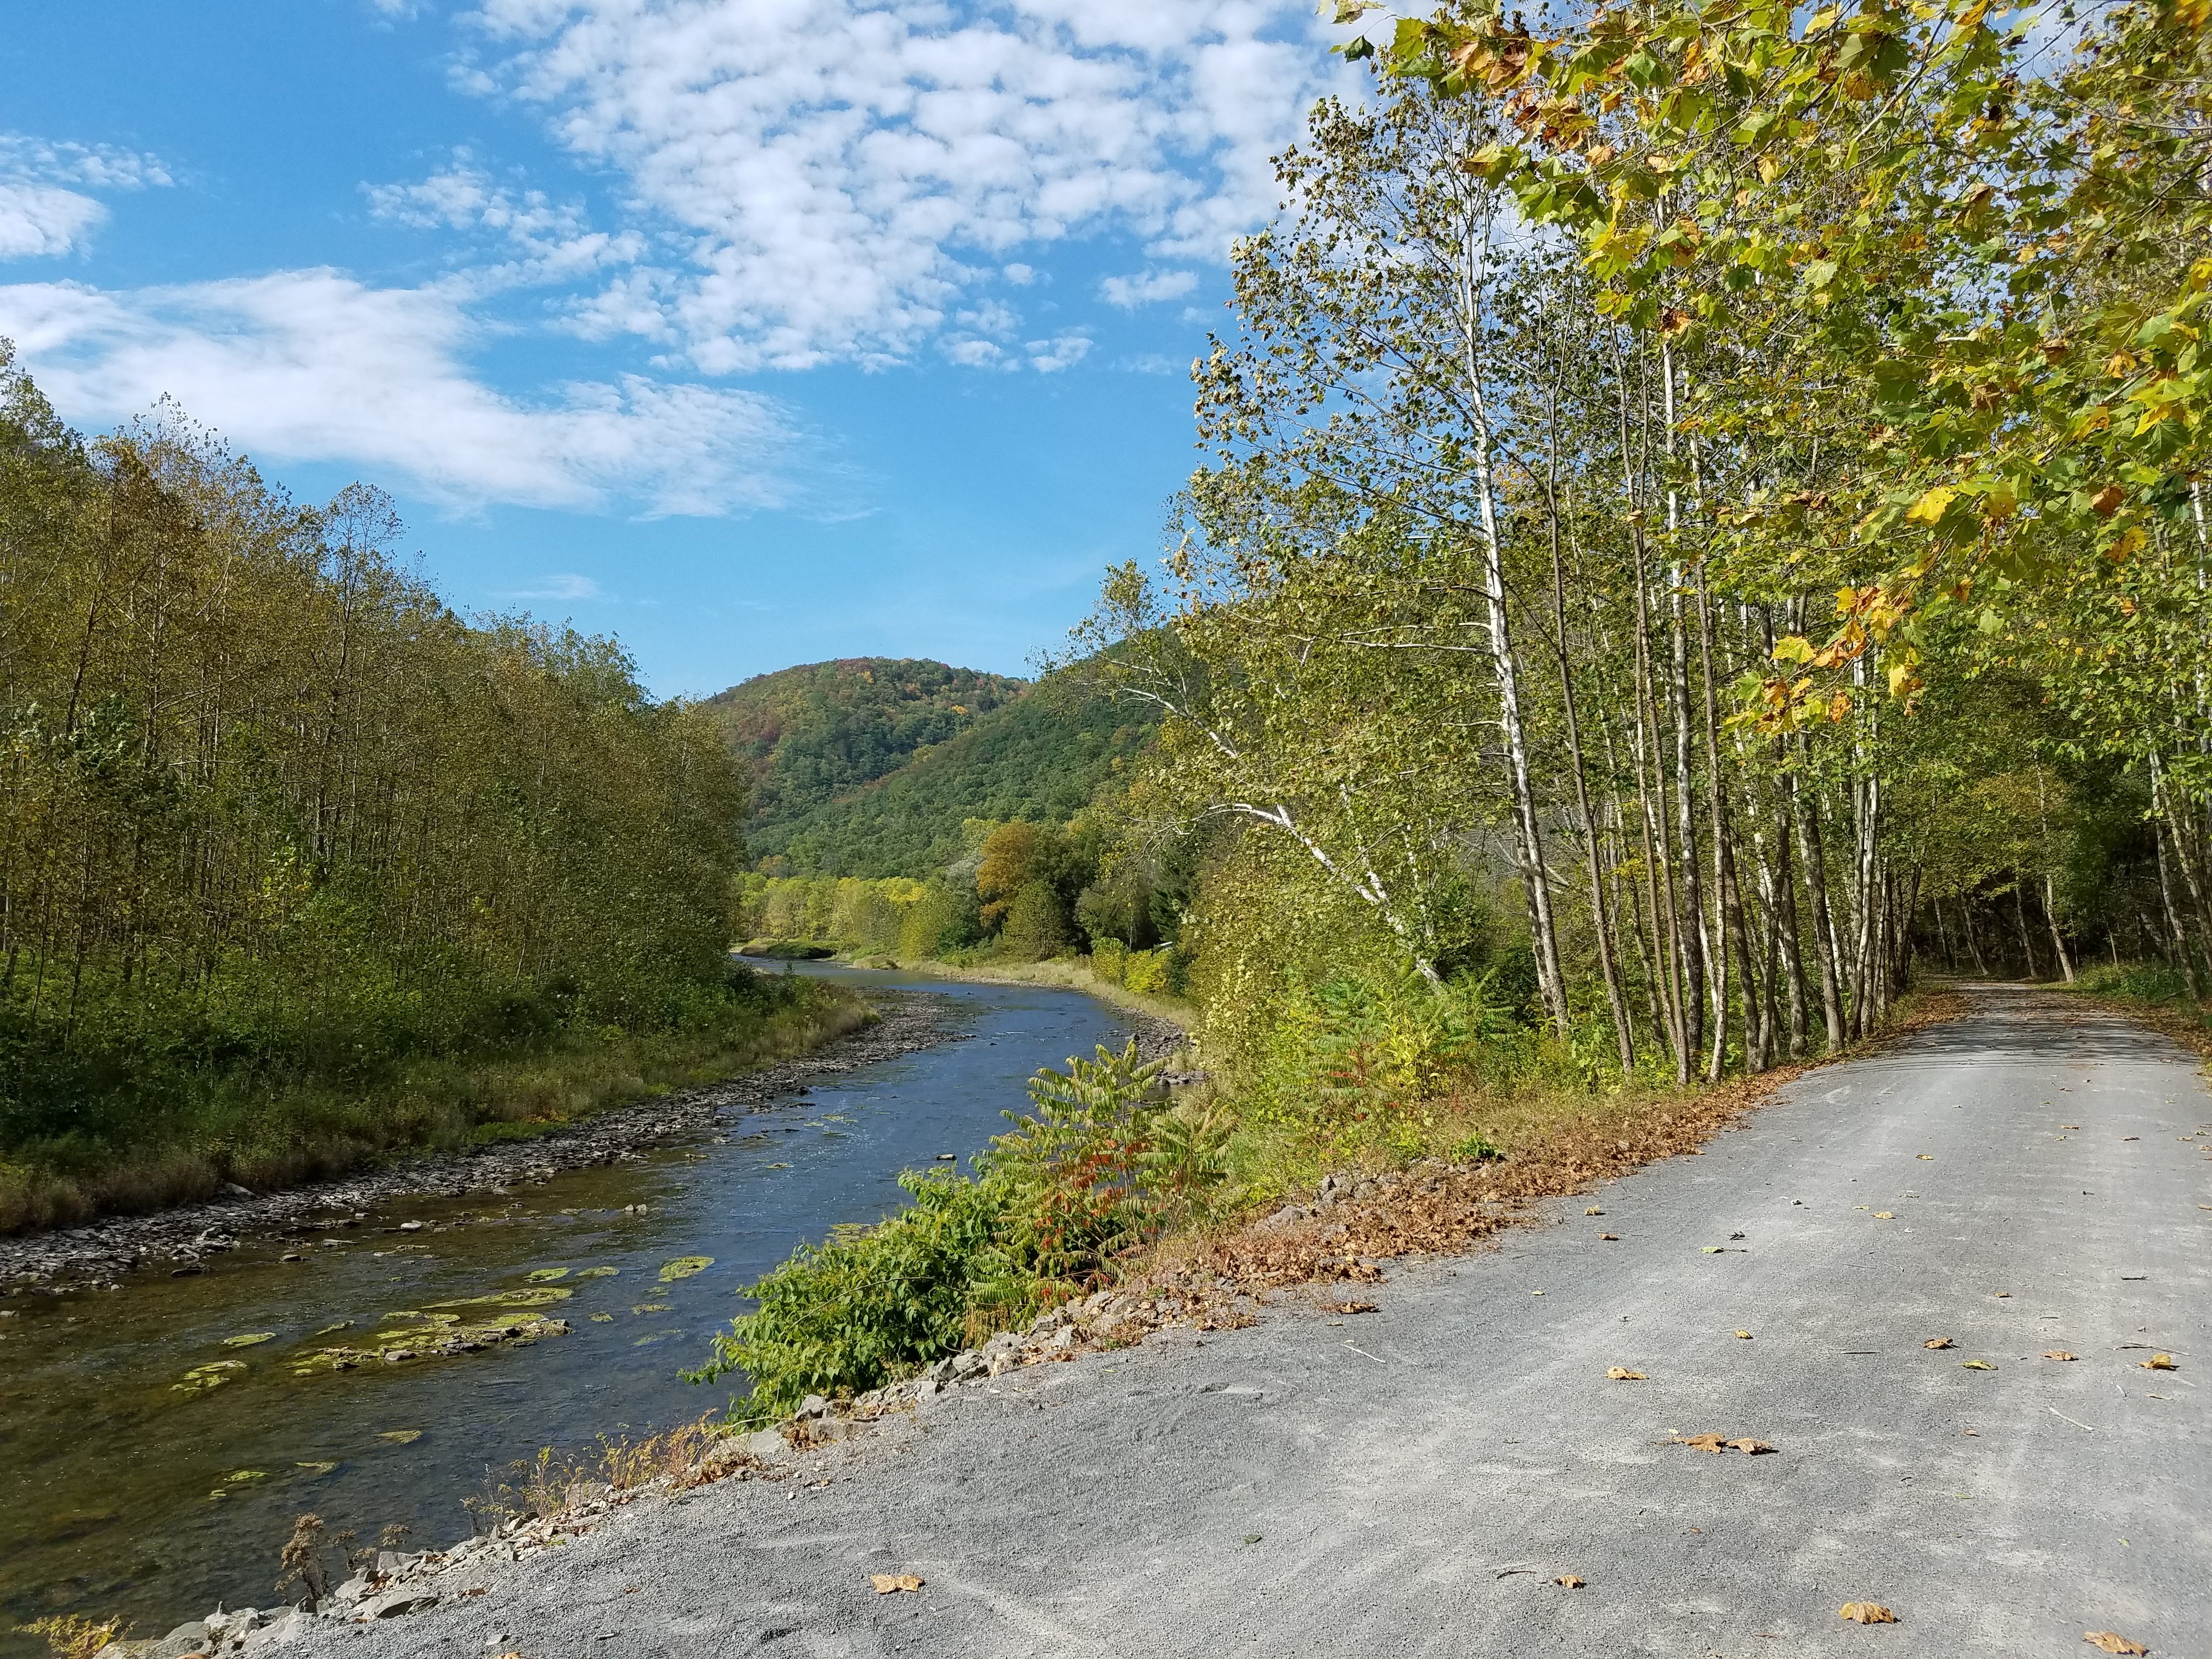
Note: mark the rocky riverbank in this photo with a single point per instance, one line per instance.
(401, 1584)
(94, 1254)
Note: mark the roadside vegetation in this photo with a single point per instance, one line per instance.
(298, 870)
(1704, 524)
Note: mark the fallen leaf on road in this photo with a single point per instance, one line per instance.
(1753, 1448)
(1622, 1374)
(1712, 1250)
(2059, 1353)
(1351, 1307)
(887, 1582)
(1736, 1235)
(1712, 1443)
(1743, 1336)
(1594, 1210)
(1610, 1238)
(1976, 1365)
(1925, 1157)
(2159, 1362)
(2112, 1642)
(1884, 1215)
(1573, 1583)
(1937, 1342)
(1867, 1613)
(2069, 1126)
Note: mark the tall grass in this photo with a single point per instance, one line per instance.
(265, 1129)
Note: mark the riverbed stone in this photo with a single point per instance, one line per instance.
(393, 1603)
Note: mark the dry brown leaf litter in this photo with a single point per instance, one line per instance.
(1867, 1613)
(2112, 1642)
(1569, 1580)
(1442, 1211)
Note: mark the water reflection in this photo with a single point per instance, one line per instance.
(123, 1492)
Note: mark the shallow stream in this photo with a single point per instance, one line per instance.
(123, 1493)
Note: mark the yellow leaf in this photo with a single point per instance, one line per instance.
(888, 1582)
(1568, 1580)
(1622, 1374)
(2112, 1642)
(1867, 1613)
(1976, 1365)
(1930, 506)
(1937, 1342)
(1751, 1447)
(1793, 647)
(2060, 1353)
(1743, 1336)
(2159, 1362)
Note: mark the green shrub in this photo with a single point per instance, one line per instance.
(1098, 1164)
(1036, 923)
(1147, 972)
(845, 1316)
(1110, 960)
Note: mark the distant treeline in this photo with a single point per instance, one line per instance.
(1019, 892)
(272, 817)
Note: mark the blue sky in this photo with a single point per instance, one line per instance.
(755, 331)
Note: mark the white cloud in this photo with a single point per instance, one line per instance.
(39, 215)
(563, 584)
(841, 172)
(549, 242)
(1050, 356)
(44, 219)
(313, 366)
(1147, 288)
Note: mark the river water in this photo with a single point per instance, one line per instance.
(120, 1494)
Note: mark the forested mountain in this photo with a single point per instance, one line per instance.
(1039, 754)
(810, 734)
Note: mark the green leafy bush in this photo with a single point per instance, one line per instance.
(1099, 1163)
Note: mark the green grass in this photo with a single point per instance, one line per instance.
(264, 1134)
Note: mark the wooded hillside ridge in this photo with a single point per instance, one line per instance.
(1035, 751)
(300, 870)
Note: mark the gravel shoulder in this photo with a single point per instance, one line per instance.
(101, 1250)
(2029, 1179)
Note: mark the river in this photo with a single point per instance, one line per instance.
(122, 1493)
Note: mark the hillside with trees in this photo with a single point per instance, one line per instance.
(808, 734)
(297, 868)
(1038, 752)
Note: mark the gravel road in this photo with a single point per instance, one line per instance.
(2033, 1178)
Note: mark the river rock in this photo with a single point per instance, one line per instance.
(394, 1603)
(735, 1450)
(233, 1628)
(281, 1634)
